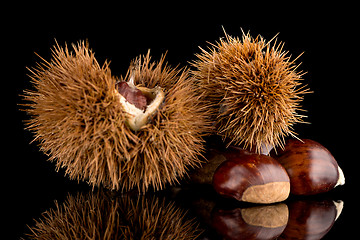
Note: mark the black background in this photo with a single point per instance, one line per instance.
(327, 34)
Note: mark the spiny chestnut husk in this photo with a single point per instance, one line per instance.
(255, 89)
(311, 167)
(145, 132)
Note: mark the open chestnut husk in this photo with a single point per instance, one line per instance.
(251, 177)
(311, 167)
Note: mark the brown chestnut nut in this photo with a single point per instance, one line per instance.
(311, 167)
(252, 178)
(205, 174)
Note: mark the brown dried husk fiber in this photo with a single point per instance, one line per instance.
(78, 120)
(255, 89)
(97, 216)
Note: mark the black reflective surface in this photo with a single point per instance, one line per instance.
(189, 212)
(325, 34)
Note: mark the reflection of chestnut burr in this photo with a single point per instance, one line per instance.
(311, 167)
(310, 219)
(261, 222)
(98, 216)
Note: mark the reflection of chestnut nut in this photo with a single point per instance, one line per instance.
(252, 178)
(311, 219)
(261, 222)
(311, 167)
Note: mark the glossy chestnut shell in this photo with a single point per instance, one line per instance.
(311, 167)
(251, 177)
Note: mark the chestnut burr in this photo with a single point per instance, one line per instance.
(141, 131)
